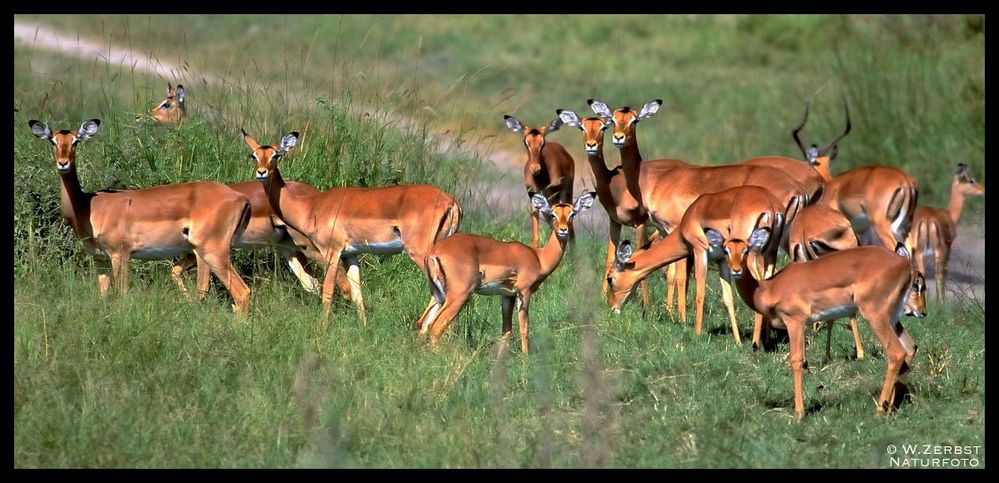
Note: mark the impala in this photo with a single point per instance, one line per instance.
(149, 224)
(733, 214)
(549, 170)
(622, 208)
(170, 110)
(934, 229)
(463, 264)
(879, 201)
(345, 222)
(875, 282)
(816, 231)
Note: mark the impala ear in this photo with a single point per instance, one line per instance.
(180, 93)
(715, 239)
(252, 143)
(288, 142)
(759, 238)
(40, 129)
(584, 202)
(650, 109)
(901, 251)
(623, 255)
(541, 203)
(600, 108)
(569, 118)
(554, 125)
(513, 124)
(833, 153)
(88, 129)
(812, 154)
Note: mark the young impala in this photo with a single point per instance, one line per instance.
(149, 224)
(345, 222)
(463, 264)
(879, 201)
(549, 170)
(622, 208)
(934, 229)
(733, 214)
(170, 110)
(875, 282)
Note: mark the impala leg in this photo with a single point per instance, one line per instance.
(829, 328)
(940, 260)
(354, 278)
(218, 260)
(204, 276)
(730, 306)
(420, 322)
(669, 272)
(700, 279)
(329, 280)
(613, 238)
(186, 262)
(453, 303)
(682, 275)
(507, 304)
(103, 275)
(856, 338)
(522, 315)
(640, 239)
(296, 262)
(119, 272)
(796, 336)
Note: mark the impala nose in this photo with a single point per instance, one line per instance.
(62, 166)
(261, 174)
(618, 139)
(591, 147)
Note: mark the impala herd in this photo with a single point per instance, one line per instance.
(736, 215)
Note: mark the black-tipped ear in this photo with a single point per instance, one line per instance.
(759, 238)
(715, 238)
(650, 109)
(513, 123)
(584, 202)
(600, 108)
(901, 251)
(180, 93)
(40, 129)
(288, 142)
(539, 202)
(88, 129)
(623, 254)
(554, 125)
(569, 117)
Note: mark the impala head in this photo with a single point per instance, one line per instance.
(64, 142)
(561, 214)
(740, 253)
(267, 156)
(170, 110)
(534, 139)
(915, 302)
(965, 183)
(593, 129)
(819, 157)
(622, 278)
(625, 119)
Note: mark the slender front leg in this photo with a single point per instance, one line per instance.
(680, 279)
(613, 238)
(354, 278)
(118, 272)
(829, 327)
(640, 240)
(186, 262)
(856, 338)
(204, 276)
(103, 275)
(329, 280)
(522, 314)
(296, 262)
(700, 279)
(730, 306)
(796, 335)
(940, 260)
(507, 304)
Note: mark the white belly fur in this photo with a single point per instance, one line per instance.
(382, 248)
(495, 288)
(160, 253)
(834, 313)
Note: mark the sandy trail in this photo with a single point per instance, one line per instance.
(498, 199)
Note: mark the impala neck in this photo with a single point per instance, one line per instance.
(281, 200)
(551, 254)
(660, 254)
(956, 205)
(748, 286)
(631, 163)
(601, 174)
(75, 203)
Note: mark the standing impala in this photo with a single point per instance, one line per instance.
(622, 208)
(816, 231)
(879, 201)
(463, 264)
(872, 281)
(170, 110)
(934, 229)
(549, 170)
(149, 224)
(345, 222)
(734, 214)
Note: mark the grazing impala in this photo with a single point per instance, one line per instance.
(345, 222)
(149, 224)
(549, 170)
(879, 201)
(622, 208)
(934, 229)
(463, 264)
(872, 281)
(816, 231)
(170, 110)
(733, 214)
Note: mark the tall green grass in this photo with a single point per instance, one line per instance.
(150, 379)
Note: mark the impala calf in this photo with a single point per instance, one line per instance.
(170, 110)
(151, 224)
(933, 229)
(342, 223)
(463, 264)
(622, 208)
(877, 283)
(549, 170)
(733, 214)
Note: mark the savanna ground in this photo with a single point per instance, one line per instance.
(151, 379)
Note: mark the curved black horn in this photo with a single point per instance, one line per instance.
(846, 131)
(794, 133)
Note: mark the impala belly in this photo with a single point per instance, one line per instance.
(860, 222)
(834, 313)
(503, 287)
(378, 248)
(160, 252)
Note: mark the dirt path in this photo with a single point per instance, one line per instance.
(505, 195)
